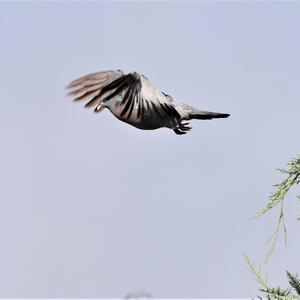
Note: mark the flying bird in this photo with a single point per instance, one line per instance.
(133, 99)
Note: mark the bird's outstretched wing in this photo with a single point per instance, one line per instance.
(140, 100)
(92, 87)
(144, 101)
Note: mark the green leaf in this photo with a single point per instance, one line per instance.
(292, 178)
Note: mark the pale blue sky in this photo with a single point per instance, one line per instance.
(92, 207)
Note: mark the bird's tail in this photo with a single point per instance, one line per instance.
(189, 112)
(207, 115)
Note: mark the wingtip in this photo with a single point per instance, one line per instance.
(222, 115)
(71, 93)
(70, 85)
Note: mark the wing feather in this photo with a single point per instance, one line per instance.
(94, 86)
(140, 99)
(144, 101)
(160, 106)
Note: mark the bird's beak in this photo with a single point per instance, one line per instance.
(100, 107)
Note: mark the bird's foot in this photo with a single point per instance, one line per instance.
(182, 128)
(178, 131)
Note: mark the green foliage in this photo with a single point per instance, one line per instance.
(293, 178)
(277, 198)
(256, 273)
(294, 282)
(278, 293)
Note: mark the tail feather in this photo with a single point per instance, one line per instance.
(207, 115)
(189, 112)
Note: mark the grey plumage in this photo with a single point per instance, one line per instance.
(133, 99)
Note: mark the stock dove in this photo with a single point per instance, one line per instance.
(133, 99)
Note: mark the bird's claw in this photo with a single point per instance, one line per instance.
(182, 128)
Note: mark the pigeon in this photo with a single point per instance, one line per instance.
(133, 99)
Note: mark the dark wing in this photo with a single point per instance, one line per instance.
(93, 87)
(140, 100)
(144, 102)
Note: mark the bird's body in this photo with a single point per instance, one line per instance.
(133, 99)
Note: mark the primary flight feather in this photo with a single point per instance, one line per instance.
(133, 99)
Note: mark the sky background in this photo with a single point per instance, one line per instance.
(92, 207)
